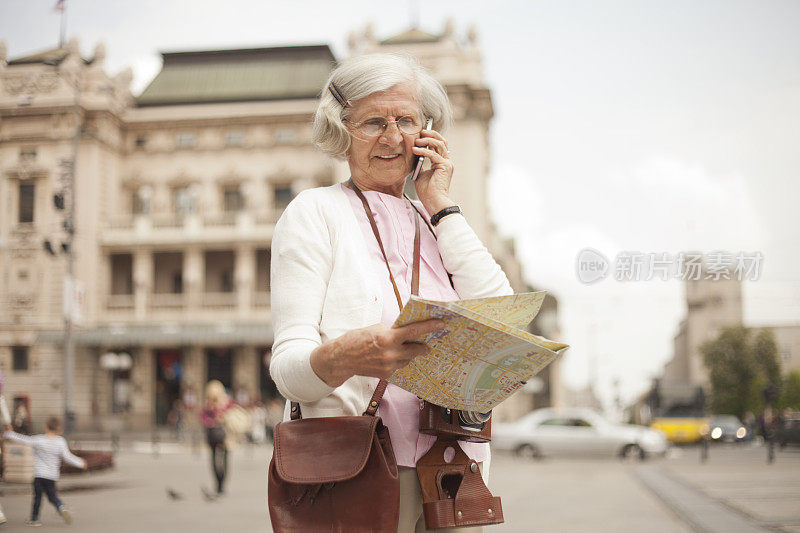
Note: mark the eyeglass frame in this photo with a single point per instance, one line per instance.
(395, 121)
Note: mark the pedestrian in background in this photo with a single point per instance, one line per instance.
(48, 451)
(22, 419)
(217, 403)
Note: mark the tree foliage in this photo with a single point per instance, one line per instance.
(742, 367)
(790, 395)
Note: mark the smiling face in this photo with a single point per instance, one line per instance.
(381, 163)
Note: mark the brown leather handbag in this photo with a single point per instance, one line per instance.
(334, 473)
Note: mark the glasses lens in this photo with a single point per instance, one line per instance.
(373, 126)
(409, 125)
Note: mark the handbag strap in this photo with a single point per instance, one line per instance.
(375, 401)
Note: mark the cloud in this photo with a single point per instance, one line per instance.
(658, 204)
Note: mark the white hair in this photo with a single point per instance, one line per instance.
(360, 76)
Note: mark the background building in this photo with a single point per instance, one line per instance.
(711, 306)
(177, 193)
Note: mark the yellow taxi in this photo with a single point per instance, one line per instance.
(682, 430)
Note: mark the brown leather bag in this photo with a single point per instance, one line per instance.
(334, 473)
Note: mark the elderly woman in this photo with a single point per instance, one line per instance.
(337, 276)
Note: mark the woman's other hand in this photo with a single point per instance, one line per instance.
(433, 185)
(375, 351)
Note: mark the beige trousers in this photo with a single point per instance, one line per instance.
(411, 517)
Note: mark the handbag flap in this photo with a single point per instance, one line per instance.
(323, 450)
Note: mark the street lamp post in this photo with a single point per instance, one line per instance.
(69, 227)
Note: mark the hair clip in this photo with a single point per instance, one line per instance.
(338, 94)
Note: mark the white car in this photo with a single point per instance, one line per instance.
(576, 431)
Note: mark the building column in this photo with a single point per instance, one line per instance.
(143, 379)
(194, 368)
(244, 276)
(142, 281)
(245, 361)
(193, 277)
(268, 187)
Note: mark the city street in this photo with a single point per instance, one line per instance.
(735, 490)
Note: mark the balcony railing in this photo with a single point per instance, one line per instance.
(167, 300)
(172, 220)
(220, 220)
(119, 301)
(120, 222)
(219, 300)
(166, 221)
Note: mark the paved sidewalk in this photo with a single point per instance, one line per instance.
(740, 480)
(560, 495)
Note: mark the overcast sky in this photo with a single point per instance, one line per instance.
(620, 126)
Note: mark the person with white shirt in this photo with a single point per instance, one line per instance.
(333, 301)
(49, 449)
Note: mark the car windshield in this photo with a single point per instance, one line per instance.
(728, 420)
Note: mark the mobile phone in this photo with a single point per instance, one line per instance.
(419, 160)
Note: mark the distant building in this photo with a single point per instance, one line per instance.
(711, 305)
(178, 192)
(177, 195)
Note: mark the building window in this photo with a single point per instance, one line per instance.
(121, 274)
(177, 283)
(262, 269)
(285, 136)
(283, 195)
(167, 272)
(186, 140)
(232, 199)
(226, 281)
(183, 200)
(27, 153)
(141, 142)
(234, 138)
(20, 356)
(26, 197)
(219, 271)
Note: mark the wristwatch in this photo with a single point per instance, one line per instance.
(443, 213)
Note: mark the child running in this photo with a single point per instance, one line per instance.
(48, 451)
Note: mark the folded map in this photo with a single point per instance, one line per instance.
(482, 356)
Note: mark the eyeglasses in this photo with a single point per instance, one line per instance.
(375, 126)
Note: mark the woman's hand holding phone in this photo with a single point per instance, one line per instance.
(433, 185)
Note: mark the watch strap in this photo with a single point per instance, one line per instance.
(435, 219)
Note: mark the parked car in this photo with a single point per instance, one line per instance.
(576, 431)
(789, 430)
(726, 428)
(682, 429)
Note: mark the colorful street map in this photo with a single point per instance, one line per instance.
(482, 356)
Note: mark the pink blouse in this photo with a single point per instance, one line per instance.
(399, 409)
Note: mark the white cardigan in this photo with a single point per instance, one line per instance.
(324, 284)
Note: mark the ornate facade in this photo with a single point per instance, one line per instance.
(177, 192)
